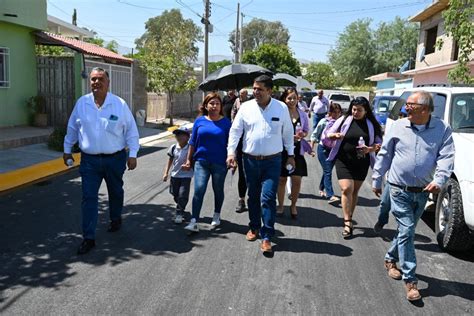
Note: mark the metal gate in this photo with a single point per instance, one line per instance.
(120, 79)
(56, 85)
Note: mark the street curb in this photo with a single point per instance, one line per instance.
(34, 173)
(41, 171)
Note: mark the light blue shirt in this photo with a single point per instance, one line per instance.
(415, 157)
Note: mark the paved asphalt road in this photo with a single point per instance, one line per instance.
(152, 267)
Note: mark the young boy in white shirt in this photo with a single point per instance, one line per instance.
(180, 180)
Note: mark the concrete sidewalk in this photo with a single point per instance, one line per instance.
(32, 163)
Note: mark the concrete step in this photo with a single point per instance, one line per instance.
(22, 136)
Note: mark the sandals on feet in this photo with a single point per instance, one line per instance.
(346, 233)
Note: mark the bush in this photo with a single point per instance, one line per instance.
(56, 140)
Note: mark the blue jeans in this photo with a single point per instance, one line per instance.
(262, 182)
(407, 208)
(202, 171)
(326, 179)
(385, 205)
(317, 118)
(93, 170)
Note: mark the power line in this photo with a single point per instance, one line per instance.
(139, 6)
(382, 8)
(184, 5)
(313, 43)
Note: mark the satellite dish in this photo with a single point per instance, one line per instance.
(421, 56)
(404, 67)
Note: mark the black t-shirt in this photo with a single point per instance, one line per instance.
(348, 150)
(227, 104)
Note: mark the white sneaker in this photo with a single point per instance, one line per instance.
(192, 226)
(178, 219)
(216, 220)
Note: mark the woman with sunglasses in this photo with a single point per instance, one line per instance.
(300, 127)
(357, 137)
(208, 154)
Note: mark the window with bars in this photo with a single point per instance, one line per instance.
(4, 67)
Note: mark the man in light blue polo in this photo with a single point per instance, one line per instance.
(418, 153)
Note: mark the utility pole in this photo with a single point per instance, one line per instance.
(236, 48)
(241, 42)
(205, 21)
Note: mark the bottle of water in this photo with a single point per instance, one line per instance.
(70, 162)
(290, 168)
(360, 145)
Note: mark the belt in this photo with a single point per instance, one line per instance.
(408, 189)
(106, 155)
(262, 157)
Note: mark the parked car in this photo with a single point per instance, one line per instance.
(381, 105)
(343, 99)
(454, 205)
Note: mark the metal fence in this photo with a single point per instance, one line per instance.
(120, 80)
(56, 85)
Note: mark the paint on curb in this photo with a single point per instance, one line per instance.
(19, 177)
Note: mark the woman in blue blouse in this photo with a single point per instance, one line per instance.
(208, 154)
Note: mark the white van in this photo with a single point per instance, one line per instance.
(454, 206)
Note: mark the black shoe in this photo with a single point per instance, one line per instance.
(241, 207)
(86, 246)
(115, 225)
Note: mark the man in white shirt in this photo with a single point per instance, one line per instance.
(266, 127)
(104, 126)
(319, 107)
(302, 105)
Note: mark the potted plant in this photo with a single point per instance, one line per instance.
(37, 106)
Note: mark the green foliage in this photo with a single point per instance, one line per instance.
(353, 58)
(322, 74)
(276, 58)
(47, 50)
(458, 24)
(395, 43)
(96, 40)
(112, 46)
(361, 52)
(168, 47)
(36, 104)
(258, 32)
(56, 139)
(213, 66)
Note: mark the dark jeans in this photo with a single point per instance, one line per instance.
(93, 170)
(179, 188)
(385, 205)
(203, 170)
(317, 118)
(240, 168)
(326, 179)
(262, 182)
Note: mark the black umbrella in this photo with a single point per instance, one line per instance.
(235, 76)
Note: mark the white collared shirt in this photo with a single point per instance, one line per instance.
(265, 131)
(103, 130)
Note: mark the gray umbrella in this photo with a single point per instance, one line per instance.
(233, 76)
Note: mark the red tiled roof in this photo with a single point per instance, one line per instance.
(80, 46)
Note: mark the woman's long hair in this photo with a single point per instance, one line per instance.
(213, 95)
(362, 101)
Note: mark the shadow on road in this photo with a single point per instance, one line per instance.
(310, 217)
(441, 288)
(311, 246)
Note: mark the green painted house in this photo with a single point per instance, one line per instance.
(18, 71)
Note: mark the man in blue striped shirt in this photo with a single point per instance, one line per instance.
(418, 153)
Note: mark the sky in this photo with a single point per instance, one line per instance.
(313, 25)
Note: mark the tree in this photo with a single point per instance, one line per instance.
(47, 50)
(112, 46)
(458, 24)
(395, 43)
(213, 66)
(353, 58)
(258, 32)
(322, 74)
(168, 48)
(276, 58)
